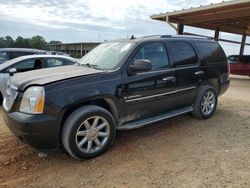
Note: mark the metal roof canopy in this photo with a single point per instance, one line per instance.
(231, 17)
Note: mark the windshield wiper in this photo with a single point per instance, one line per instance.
(90, 65)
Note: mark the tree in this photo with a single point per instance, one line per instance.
(38, 42)
(9, 41)
(6, 42)
(55, 42)
(19, 43)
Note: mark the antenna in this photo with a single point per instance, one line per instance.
(132, 37)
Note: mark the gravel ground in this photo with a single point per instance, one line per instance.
(181, 152)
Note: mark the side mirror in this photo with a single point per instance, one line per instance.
(12, 71)
(140, 65)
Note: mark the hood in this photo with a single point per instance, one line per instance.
(49, 75)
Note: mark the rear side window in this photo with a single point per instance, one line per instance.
(211, 52)
(54, 62)
(58, 62)
(155, 53)
(183, 54)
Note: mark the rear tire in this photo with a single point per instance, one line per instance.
(88, 132)
(206, 103)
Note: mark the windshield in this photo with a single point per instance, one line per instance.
(3, 56)
(106, 55)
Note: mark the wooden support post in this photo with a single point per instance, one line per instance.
(180, 29)
(243, 42)
(216, 35)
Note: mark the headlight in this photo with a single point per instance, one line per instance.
(33, 100)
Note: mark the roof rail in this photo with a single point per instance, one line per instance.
(151, 36)
(179, 36)
(191, 36)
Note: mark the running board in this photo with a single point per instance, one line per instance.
(147, 121)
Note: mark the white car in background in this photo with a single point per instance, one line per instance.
(29, 63)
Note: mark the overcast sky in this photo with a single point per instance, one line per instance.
(92, 20)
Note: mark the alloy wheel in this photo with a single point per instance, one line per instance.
(92, 134)
(208, 103)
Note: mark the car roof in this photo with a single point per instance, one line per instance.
(164, 37)
(26, 57)
(21, 50)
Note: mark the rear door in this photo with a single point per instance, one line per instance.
(148, 93)
(188, 72)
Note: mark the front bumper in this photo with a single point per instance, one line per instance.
(38, 131)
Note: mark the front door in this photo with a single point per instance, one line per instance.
(149, 93)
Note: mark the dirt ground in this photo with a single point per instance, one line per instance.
(181, 152)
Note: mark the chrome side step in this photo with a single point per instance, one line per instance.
(147, 121)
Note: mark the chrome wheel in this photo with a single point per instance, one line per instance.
(208, 103)
(92, 134)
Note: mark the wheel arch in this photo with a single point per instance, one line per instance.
(104, 102)
(213, 83)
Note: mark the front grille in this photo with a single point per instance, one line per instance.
(9, 98)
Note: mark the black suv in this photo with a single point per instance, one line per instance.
(120, 85)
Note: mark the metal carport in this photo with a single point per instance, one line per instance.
(231, 17)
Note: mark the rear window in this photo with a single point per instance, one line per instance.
(211, 52)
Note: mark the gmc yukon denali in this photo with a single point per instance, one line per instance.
(120, 85)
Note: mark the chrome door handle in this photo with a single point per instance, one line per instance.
(170, 78)
(199, 73)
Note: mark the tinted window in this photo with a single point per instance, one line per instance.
(245, 59)
(155, 53)
(183, 53)
(211, 52)
(18, 54)
(28, 65)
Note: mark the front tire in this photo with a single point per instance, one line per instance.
(88, 132)
(206, 103)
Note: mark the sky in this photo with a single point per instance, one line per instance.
(94, 20)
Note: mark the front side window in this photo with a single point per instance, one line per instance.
(155, 53)
(232, 59)
(183, 54)
(106, 56)
(27, 65)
